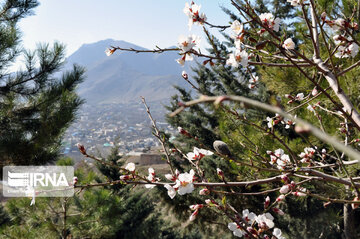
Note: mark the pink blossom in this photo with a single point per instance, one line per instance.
(193, 215)
(204, 191)
(278, 211)
(196, 206)
(219, 172)
(280, 198)
(267, 202)
(284, 189)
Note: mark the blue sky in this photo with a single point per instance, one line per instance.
(143, 22)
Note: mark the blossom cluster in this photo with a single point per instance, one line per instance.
(247, 223)
(279, 158)
(346, 46)
(192, 11)
(270, 21)
(272, 121)
(198, 154)
(183, 184)
(186, 45)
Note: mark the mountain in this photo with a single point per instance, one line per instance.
(125, 76)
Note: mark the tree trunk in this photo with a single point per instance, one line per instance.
(349, 222)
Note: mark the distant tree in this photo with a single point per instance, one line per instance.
(37, 103)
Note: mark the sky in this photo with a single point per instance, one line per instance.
(147, 23)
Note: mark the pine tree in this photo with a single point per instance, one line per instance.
(102, 212)
(37, 103)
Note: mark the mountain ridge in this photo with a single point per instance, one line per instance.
(125, 76)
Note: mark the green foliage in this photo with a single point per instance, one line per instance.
(37, 104)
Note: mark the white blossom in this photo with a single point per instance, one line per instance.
(184, 183)
(171, 191)
(109, 51)
(188, 43)
(265, 220)
(151, 178)
(249, 217)
(289, 44)
(270, 22)
(282, 160)
(311, 108)
(237, 231)
(337, 25)
(299, 97)
(307, 155)
(238, 57)
(294, 3)
(192, 11)
(270, 122)
(130, 167)
(198, 154)
(277, 233)
(347, 51)
(237, 27)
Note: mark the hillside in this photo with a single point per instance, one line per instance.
(124, 76)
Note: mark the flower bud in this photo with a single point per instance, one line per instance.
(75, 180)
(284, 189)
(278, 211)
(196, 206)
(183, 132)
(185, 75)
(280, 198)
(267, 202)
(299, 194)
(292, 185)
(81, 148)
(219, 172)
(355, 205)
(193, 215)
(204, 191)
(221, 147)
(285, 178)
(124, 177)
(323, 16)
(314, 92)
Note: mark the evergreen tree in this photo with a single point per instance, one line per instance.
(37, 103)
